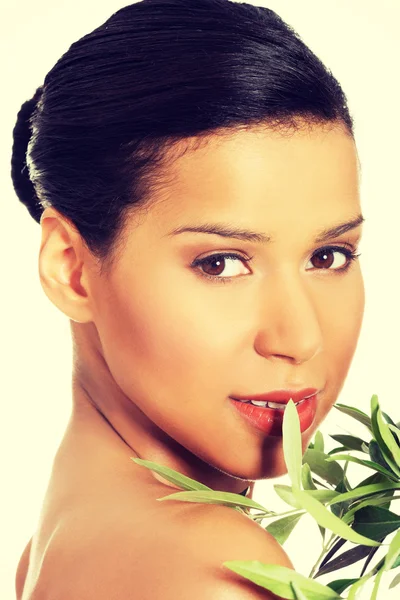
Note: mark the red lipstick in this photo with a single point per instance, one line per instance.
(281, 396)
(269, 419)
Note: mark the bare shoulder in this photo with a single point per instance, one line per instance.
(173, 553)
(22, 570)
(222, 534)
(237, 534)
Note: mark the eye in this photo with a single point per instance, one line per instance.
(333, 258)
(216, 264)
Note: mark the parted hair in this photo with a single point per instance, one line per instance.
(95, 140)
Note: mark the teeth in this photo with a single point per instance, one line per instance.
(275, 405)
(259, 403)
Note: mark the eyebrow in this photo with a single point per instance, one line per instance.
(225, 230)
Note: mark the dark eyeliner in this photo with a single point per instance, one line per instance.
(215, 278)
(350, 254)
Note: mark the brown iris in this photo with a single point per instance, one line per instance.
(219, 261)
(323, 259)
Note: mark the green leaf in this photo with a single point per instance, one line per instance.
(326, 519)
(340, 507)
(292, 449)
(393, 552)
(366, 490)
(282, 528)
(286, 494)
(298, 594)
(322, 531)
(395, 582)
(337, 449)
(366, 463)
(396, 432)
(375, 478)
(374, 501)
(384, 500)
(376, 522)
(306, 478)
(396, 563)
(170, 475)
(376, 455)
(377, 581)
(319, 441)
(389, 419)
(348, 518)
(214, 497)
(349, 441)
(279, 579)
(323, 495)
(332, 472)
(384, 436)
(389, 440)
(339, 585)
(357, 414)
(347, 558)
(357, 585)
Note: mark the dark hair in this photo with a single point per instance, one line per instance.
(159, 76)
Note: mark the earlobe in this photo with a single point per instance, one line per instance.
(61, 267)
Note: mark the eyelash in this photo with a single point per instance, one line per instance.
(350, 255)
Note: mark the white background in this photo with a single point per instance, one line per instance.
(359, 41)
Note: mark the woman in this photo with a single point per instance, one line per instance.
(179, 147)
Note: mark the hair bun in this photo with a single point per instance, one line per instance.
(19, 169)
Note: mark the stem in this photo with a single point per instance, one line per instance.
(325, 549)
(322, 484)
(333, 540)
(355, 588)
(284, 514)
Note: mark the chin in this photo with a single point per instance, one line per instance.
(266, 463)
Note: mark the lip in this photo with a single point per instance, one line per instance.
(270, 420)
(281, 396)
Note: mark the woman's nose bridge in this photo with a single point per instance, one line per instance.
(290, 322)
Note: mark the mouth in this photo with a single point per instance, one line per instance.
(278, 398)
(270, 404)
(267, 414)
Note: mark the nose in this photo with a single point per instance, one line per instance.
(289, 323)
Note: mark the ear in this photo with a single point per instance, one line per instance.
(62, 266)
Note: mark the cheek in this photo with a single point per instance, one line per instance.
(341, 324)
(347, 323)
(162, 341)
(341, 332)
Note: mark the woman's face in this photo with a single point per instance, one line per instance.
(179, 344)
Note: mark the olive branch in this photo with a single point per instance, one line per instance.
(360, 515)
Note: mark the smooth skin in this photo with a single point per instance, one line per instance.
(159, 348)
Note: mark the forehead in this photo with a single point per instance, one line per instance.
(264, 177)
